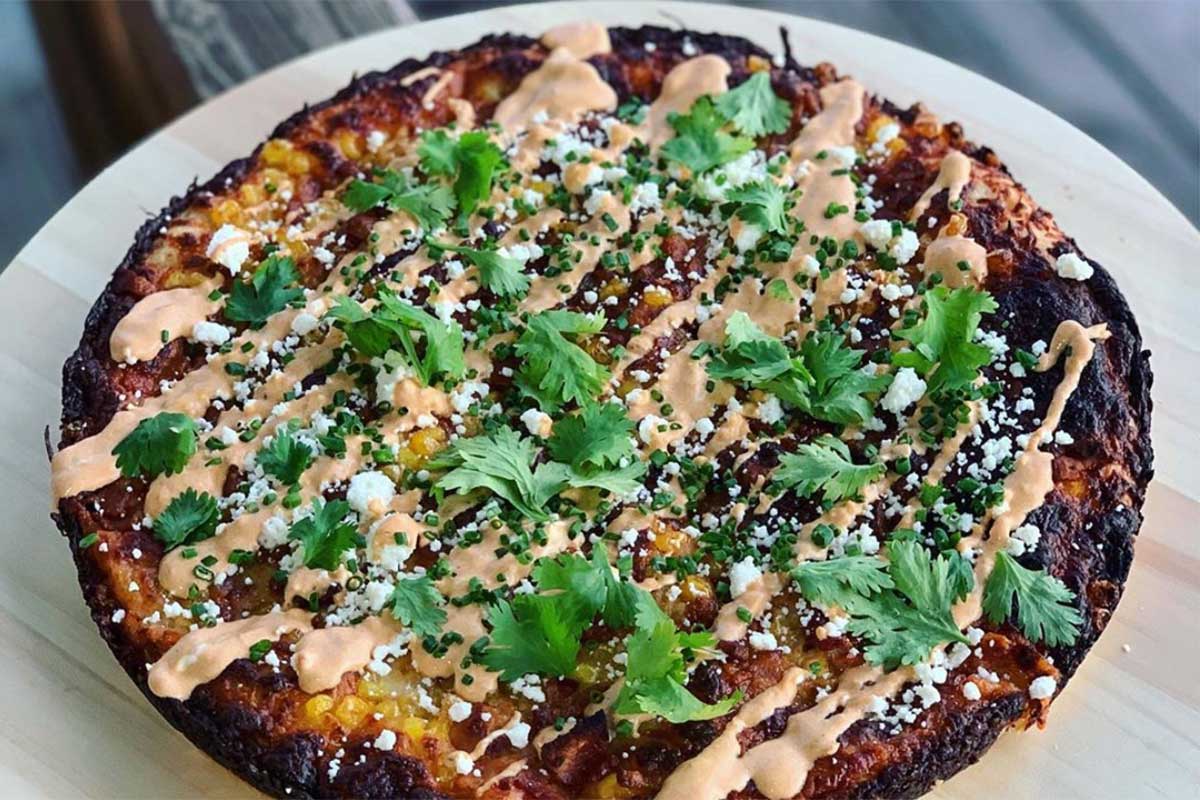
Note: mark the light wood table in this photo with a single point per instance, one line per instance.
(72, 724)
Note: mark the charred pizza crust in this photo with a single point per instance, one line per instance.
(1089, 523)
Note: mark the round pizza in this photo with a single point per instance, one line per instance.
(617, 414)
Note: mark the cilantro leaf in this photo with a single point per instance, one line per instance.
(555, 370)
(597, 437)
(189, 518)
(1044, 610)
(903, 621)
(472, 160)
(500, 462)
(530, 635)
(324, 534)
(437, 153)
(670, 699)
(754, 108)
(826, 581)
(285, 457)
(761, 204)
(699, 142)
(272, 288)
(619, 480)
(396, 326)
(904, 633)
(577, 584)
(417, 604)
(946, 337)
(749, 355)
(823, 380)
(503, 275)
(839, 384)
(159, 445)
(656, 671)
(429, 205)
(824, 465)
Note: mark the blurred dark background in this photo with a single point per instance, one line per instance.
(83, 81)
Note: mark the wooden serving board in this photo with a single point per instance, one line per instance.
(72, 724)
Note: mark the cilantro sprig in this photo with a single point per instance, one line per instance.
(555, 370)
(901, 608)
(325, 535)
(541, 633)
(763, 204)
(754, 108)
(431, 348)
(824, 379)
(700, 143)
(501, 462)
(824, 466)
(503, 275)
(472, 161)
(273, 287)
(159, 445)
(286, 457)
(944, 340)
(190, 517)
(429, 205)
(1044, 603)
(417, 603)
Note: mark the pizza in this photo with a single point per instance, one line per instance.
(617, 414)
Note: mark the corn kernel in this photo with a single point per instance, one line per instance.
(427, 441)
(758, 64)
(897, 145)
(413, 728)
(956, 225)
(182, 279)
(299, 163)
(251, 194)
(657, 298)
(608, 788)
(371, 690)
(350, 143)
(298, 248)
(409, 459)
(695, 586)
(876, 124)
(490, 90)
(672, 542)
(227, 211)
(316, 707)
(614, 288)
(388, 708)
(276, 152)
(351, 711)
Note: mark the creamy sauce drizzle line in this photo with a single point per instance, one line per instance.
(953, 175)
(581, 39)
(138, 336)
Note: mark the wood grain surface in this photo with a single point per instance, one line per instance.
(72, 724)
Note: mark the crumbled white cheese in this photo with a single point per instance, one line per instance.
(537, 422)
(1073, 267)
(1043, 687)
(304, 323)
(741, 575)
(367, 488)
(230, 247)
(210, 333)
(907, 388)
